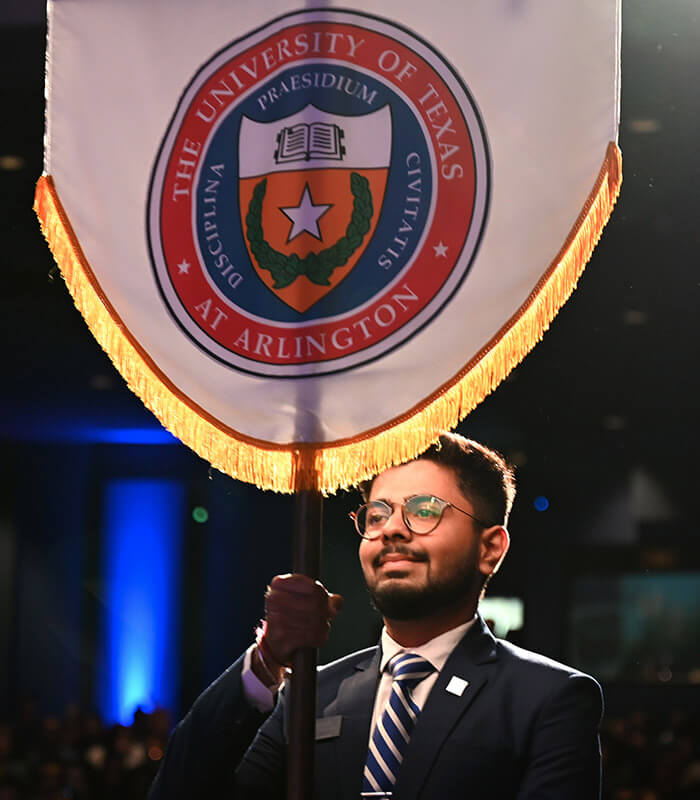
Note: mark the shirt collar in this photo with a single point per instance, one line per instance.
(436, 650)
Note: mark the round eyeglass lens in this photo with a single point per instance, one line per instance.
(372, 517)
(423, 513)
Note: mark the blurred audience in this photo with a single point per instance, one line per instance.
(77, 756)
(651, 757)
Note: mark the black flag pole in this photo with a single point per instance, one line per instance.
(306, 559)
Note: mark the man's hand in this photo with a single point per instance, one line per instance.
(298, 613)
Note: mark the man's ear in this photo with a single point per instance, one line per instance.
(494, 545)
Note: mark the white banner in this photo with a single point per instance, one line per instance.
(323, 229)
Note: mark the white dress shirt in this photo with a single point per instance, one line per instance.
(437, 651)
(256, 693)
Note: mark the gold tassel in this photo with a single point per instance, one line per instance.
(330, 466)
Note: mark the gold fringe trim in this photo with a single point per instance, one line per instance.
(330, 466)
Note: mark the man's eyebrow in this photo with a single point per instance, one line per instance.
(405, 499)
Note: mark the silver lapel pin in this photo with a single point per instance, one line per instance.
(456, 686)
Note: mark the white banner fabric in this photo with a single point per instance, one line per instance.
(309, 222)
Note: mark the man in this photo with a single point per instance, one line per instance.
(441, 709)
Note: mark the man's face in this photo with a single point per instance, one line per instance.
(413, 576)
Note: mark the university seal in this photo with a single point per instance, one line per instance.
(319, 195)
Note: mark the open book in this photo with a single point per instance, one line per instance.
(304, 141)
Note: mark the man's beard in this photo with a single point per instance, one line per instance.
(399, 601)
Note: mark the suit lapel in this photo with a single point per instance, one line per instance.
(355, 701)
(443, 709)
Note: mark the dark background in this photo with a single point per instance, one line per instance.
(601, 418)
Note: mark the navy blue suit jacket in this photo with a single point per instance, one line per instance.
(524, 727)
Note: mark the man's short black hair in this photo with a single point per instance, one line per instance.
(483, 476)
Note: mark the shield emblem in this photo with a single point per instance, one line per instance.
(311, 191)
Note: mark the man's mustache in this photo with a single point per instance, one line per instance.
(401, 549)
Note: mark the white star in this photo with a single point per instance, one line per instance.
(305, 216)
(440, 250)
(184, 267)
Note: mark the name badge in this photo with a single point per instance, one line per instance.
(328, 727)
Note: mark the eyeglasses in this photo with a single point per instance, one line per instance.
(421, 514)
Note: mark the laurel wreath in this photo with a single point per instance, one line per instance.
(317, 267)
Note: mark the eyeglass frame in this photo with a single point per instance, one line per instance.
(354, 515)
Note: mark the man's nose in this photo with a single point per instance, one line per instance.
(395, 527)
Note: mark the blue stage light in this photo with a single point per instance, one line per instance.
(143, 532)
(541, 503)
(131, 436)
(44, 430)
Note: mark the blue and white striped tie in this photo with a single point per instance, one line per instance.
(393, 729)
